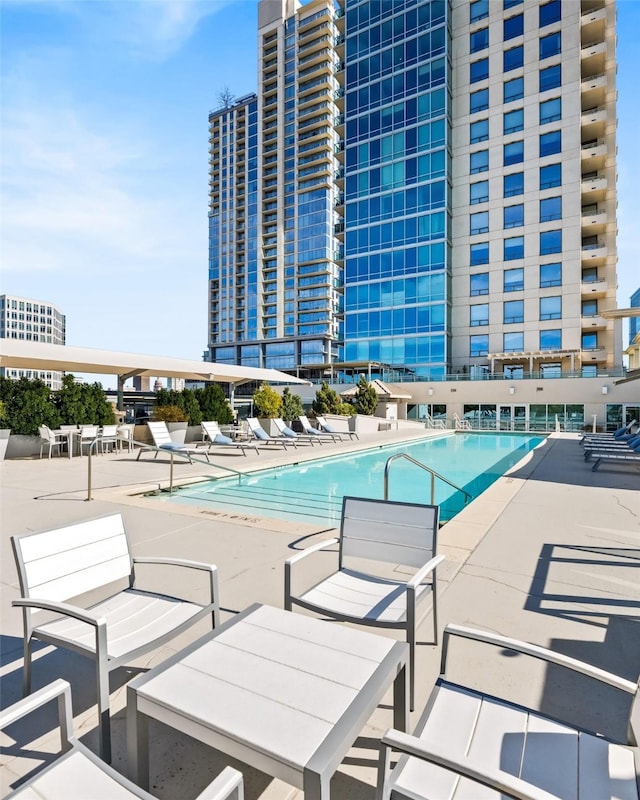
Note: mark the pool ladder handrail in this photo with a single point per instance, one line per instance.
(432, 472)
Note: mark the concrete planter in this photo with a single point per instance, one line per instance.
(4, 441)
(177, 431)
(22, 446)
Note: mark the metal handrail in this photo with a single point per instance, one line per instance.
(159, 450)
(433, 473)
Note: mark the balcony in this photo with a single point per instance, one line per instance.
(593, 255)
(594, 322)
(593, 155)
(594, 288)
(594, 221)
(593, 189)
(596, 355)
(593, 91)
(593, 123)
(593, 58)
(593, 25)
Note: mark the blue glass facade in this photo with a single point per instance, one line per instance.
(397, 184)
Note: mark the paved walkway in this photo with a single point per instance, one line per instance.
(550, 553)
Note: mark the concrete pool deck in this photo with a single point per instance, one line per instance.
(550, 553)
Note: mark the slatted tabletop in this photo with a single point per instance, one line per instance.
(283, 692)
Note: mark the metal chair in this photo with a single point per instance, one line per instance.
(51, 440)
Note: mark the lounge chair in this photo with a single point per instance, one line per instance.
(328, 428)
(469, 743)
(162, 441)
(285, 430)
(615, 448)
(308, 428)
(216, 437)
(56, 567)
(631, 457)
(382, 534)
(78, 774)
(258, 432)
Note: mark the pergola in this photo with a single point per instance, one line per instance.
(62, 358)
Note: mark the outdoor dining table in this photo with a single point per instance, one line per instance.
(283, 692)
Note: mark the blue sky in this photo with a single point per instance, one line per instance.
(104, 159)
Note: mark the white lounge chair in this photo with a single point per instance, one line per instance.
(78, 774)
(52, 440)
(216, 437)
(328, 428)
(56, 566)
(285, 430)
(471, 744)
(258, 432)
(162, 441)
(383, 534)
(308, 428)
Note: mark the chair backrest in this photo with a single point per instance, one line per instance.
(285, 430)
(68, 427)
(322, 422)
(88, 431)
(388, 531)
(126, 431)
(109, 430)
(212, 429)
(45, 433)
(159, 433)
(304, 422)
(65, 562)
(256, 429)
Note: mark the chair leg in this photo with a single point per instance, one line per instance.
(26, 668)
(104, 714)
(411, 639)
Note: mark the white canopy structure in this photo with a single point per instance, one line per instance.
(38, 355)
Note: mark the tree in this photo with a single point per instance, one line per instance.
(29, 403)
(83, 404)
(366, 397)
(327, 401)
(168, 414)
(267, 402)
(291, 405)
(191, 407)
(225, 97)
(213, 404)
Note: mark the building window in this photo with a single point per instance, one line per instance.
(479, 161)
(589, 308)
(479, 254)
(589, 341)
(513, 343)
(550, 275)
(478, 10)
(590, 371)
(514, 248)
(513, 184)
(513, 90)
(513, 280)
(512, 27)
(479, 131)
(479, 222)
(550, 13)
(479, 40)
(513, 121)
(513, 153)
(551, 340)
(513, 311)
(590, 275)
(479, 70)
(550, 242)
(550, 45)
(479, 315)
(550, 78)
(550, 143)
(550, 209)
(550, 308)
(478, 101)
(550, 176)
(514, 216)
(478, 345)
(479, 192)
(479, 284)
(507, 4)
(512, 59)
(550, 110)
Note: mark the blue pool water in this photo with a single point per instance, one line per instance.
(313, 491)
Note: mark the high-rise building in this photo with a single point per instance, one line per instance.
(634, 322)
(32, 321)
(420, 184)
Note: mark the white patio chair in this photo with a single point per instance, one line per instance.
(126, 436)
(383, 534)
(88, 434)
(56, 566)
(215, 436)
(258, 432)
(469, 744)
(51, 440)
(285, 430)
(308, 428)
(162, 441)
(328, 428)
(108, 438)
(78, 774)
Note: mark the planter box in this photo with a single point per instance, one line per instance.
(4, 441)
(177, 431)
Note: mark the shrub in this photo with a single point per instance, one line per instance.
(291, 405)
(366, 399)
(28, 404)
(169, 414)
(213, 404)
(327, 401)
(267, 402)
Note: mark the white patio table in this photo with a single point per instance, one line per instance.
(285, 693)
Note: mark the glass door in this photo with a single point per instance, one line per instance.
(512, 418)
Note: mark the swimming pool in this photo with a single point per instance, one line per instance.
(312, 491)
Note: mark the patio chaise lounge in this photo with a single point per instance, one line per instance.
(216, 437)
(629, 457)
(162, 441)
(376, 536)
(78, 774)
(258, 432)
(470, 744)
(308, 428)
(117, 626)
(326, 427)
(285, 430)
